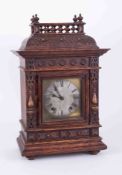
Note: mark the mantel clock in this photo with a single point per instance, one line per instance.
(59, 70)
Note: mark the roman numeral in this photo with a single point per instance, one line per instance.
(61, 112)
(74, 104)
(68, 85)
(70, 109)
(61, 82)
(74, 90)
(53, 109)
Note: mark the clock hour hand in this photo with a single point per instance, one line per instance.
(53, 95)
(60, 97)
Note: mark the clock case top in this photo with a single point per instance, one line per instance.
(64, 39)
(59, 50)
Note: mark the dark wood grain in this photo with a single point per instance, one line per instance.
(56, 50)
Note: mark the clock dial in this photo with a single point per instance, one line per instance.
(61, 98)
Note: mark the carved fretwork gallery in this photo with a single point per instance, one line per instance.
(59, 52)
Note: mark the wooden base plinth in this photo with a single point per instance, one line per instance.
(33, 149)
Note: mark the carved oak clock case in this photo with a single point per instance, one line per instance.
(59, 69)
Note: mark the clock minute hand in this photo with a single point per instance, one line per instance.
(56, 89)
(59, 97)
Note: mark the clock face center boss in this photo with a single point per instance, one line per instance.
(59, 72)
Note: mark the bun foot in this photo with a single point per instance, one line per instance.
(93, 152)
(30, 158)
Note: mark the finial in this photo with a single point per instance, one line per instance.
(80, 17)
(35, 19)
(75, 18)
(94, 99)
(30, 102)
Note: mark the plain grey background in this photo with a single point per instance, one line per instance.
(103, 22)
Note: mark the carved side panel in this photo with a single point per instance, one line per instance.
(31, 102)
(94, 96)
(94, 61)
(23, 96)
(94, 114)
